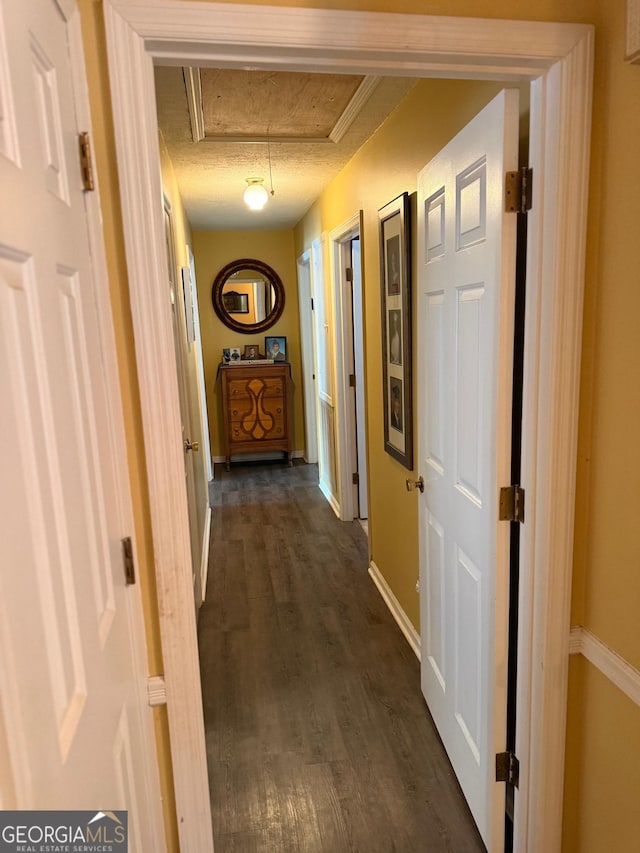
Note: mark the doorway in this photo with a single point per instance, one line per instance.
(308, 354)
(558, 60)
(351, 429)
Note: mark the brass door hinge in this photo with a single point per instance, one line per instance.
(127, 559)
(511, 504)
(352, 380)
(507, 768)
(86, 162)
(356, 479)
(349, 273)
(518, 187)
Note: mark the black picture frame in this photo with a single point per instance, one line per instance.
(235, 302)
(395, 292)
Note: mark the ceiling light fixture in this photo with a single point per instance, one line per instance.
(255, 195)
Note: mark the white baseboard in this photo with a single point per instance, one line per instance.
(331, 500)
(204, 561)
(257, 457)
(611, 665)
(405, 625)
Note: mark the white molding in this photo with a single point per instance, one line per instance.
(559, 58)
(360, 98)
(133, 95)
(612, 665)
(193, 90)
(339, 40)
(156, 690)
(204, 561)
(331, 498)
(338, 236)
(401, 618)
(272, 456)
(559, 155)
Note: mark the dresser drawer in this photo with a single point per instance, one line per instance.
(247, 407)
(251, 431)
(267, 387)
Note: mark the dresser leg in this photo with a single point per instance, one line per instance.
(289, 460)
(227, 463)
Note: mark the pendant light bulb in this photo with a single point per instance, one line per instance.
(255, 195)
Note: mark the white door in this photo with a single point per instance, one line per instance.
(202, 390)
(190, 443)
(466, 277)
(75, 726)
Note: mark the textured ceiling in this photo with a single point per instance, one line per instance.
(314, 123)
(277, 104)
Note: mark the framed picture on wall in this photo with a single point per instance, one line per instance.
(395, 291)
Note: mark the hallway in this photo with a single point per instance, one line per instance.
(318, 738)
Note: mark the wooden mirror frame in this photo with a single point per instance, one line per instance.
(272, 278)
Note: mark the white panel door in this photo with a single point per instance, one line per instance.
(76, 727)
(466, 277)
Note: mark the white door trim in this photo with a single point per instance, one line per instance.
(559, 58)
(308, 357)
(343, 332)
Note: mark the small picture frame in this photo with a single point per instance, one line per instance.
(230, 354)
(276, 348)
(251, 352)
(395, 291)
(235, 302)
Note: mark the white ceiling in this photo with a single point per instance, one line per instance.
(307, 126)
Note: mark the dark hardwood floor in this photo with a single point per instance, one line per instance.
(318, 738)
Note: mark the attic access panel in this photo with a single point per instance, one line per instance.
(283, 105)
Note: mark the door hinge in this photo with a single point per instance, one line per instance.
(349, 273)
(86, 162)
(127, 559)
(352, 380)
(507, 768)
(518, 187)
(512, 504)
(356, 479)
(312, 304)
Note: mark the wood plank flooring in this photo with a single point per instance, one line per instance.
(318, 738)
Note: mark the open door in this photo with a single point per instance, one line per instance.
(190, 446)
(466, 276)
(76, 730)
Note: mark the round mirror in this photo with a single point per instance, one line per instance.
(248, 296)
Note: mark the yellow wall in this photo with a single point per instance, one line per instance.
(607, 555)
(603, 746)
(212, 250)
(387, 165)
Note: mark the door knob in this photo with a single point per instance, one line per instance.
(188, 445)
(415, 484)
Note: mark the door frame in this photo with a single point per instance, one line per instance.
(558, 60)
(360, 370)
(307, 351)
(342, 341)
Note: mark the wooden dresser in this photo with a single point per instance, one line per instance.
(257, 408)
